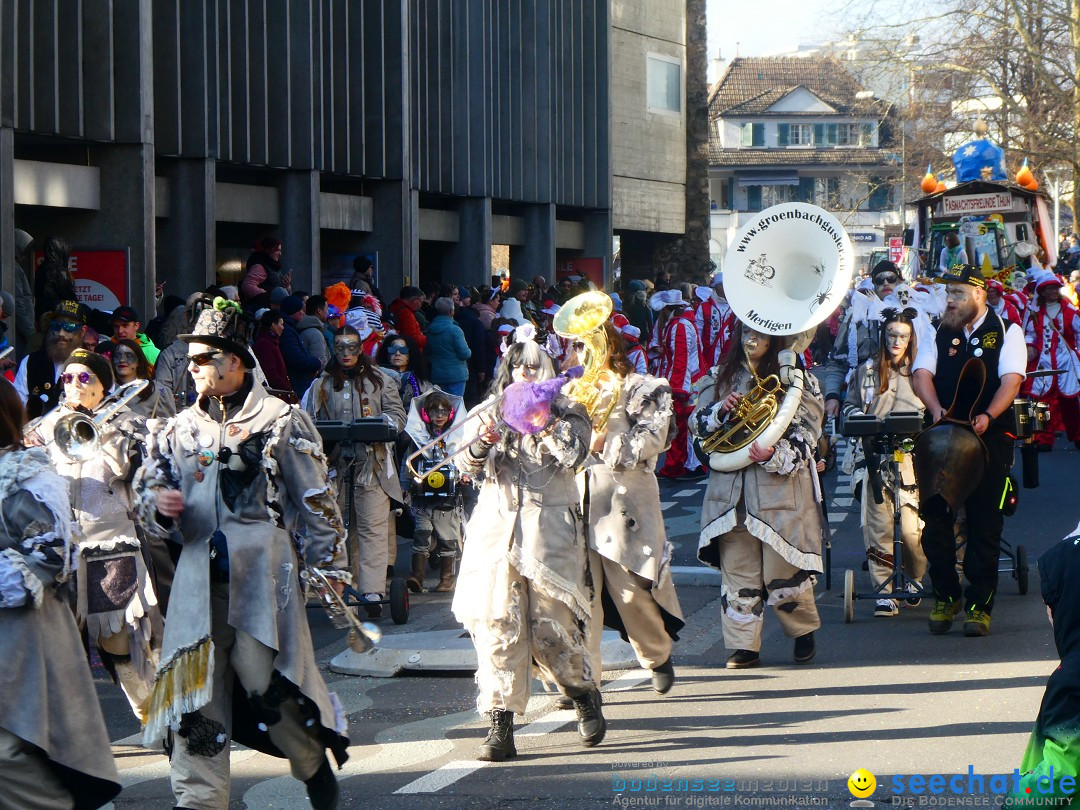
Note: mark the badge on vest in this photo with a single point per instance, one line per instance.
(990, 340)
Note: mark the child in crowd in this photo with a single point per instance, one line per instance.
(436, 502)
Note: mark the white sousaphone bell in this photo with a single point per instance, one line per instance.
(785, 272)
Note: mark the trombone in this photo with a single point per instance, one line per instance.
(77, 435)
(441, 439)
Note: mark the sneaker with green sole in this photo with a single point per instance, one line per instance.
(941, 617)
(976, 622)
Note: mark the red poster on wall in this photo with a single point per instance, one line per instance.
(592, 269)
(100, 276)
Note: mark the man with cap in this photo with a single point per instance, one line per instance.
(857, 338)
(37, 380)
(303, 366)
(970, 332)
(233, 477)
(1051, 336)
(714, 320)
(125, 324)
(680, 365)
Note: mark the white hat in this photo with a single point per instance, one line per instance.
(667, 298)
(550, 308)
(1046, 278)
(704, 293)
(717, 278)
(506, 328)
(631, 331)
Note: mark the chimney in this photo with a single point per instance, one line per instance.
(716, 67)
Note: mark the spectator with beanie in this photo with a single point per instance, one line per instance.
(364, 271)
(303, 367)
(403, 309)
(311, 326)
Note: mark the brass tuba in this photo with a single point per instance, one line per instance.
(582, 319)
(786, 271)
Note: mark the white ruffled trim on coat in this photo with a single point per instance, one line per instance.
(551, 583)
(32, 584)
(804, 561)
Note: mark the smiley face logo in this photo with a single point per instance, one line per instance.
(861, 783)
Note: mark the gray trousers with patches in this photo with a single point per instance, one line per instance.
(538, 627)
(748, 570)
(200, 777)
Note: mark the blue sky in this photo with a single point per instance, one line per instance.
(763, 27)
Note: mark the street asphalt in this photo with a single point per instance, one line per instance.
(882, 694)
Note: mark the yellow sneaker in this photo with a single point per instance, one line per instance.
(941, 617)
(976, 622)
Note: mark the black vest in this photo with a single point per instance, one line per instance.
(42, 387)
(954, 350)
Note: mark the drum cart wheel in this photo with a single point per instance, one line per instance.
(399, 601)
(849, 596)
(1021, 570)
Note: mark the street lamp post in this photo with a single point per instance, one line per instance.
(1053, 177)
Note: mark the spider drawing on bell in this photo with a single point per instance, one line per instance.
(821, 297)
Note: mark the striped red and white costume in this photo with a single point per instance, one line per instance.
(680, 363)
(714, 320)
(1052, 332)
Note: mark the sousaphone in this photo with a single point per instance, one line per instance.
(785, 272)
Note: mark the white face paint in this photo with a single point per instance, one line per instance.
(897, 338)
(82, 386)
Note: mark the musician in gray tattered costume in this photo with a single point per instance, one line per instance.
(624, 520)
(54, 749)
(354, 388)
(235, 475)
(116, 600)
(524, 589)
(761, 524)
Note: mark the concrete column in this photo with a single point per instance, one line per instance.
(299, 228)
(126, 218)
(597, 226)
(7, 208)
(536, 257)
(469, 261)
(393, 237)
(187, 238)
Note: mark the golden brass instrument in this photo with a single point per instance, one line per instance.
(747, 420)
(362, 636)
(410, 462)
(582, 319)
(77, 435)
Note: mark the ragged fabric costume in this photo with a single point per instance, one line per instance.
(864, 397)
(237, 660)
(1054, 746)
(375, 475)
(115, 596)
(625, 526)
(525, 588)
(761, 525)
(54, 748)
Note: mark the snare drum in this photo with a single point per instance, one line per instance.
(1031, 417)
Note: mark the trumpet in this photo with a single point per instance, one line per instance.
(363, 636)
(77, 435)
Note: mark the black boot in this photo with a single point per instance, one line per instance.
(805, 649)
(415, 580)
(499, 743)
(743, 659)
(590, 717)
(322, 788)
(663, 678)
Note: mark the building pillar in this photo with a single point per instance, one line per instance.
(394, 237)
(536, 257)
(187, 238)
(298, 224)
(469, 261)
(597, 227)
(7, 208)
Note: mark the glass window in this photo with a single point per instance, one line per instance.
(847, 134)
(753, 134)
(774, 195)
(827, 192)
(664, 84)
(801, 135)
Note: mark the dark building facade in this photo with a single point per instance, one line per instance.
(420, 132)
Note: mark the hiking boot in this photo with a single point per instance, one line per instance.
(590, 717)
(447, 574)
(744, 659)
(322, 788)
(499, 743)
(976, 622)
(663, 678)
(886, 608)
(805, 649)
(415, 581)
(941, 617)
(564, 702)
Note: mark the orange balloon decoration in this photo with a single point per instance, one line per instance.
(929, 182)
(940, 187)
(1024, 177)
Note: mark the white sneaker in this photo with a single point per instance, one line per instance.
(886, 607)
(916, 600)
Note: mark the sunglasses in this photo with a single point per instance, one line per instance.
(578, 346)
(203, 359)
(67, 326)
(886, 278)
(84, 377)
(438, 409)
(397, 349)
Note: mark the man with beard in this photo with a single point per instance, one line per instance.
(970, 331)
(36, 379)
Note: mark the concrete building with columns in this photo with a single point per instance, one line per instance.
(420, 132)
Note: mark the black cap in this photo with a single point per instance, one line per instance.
(68, 310)
(125, 314)
(964, 274)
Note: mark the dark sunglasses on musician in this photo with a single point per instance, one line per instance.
(84, 377)
(204, 358)
(67, 326)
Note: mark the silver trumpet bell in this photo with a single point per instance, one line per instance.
(78, 436)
